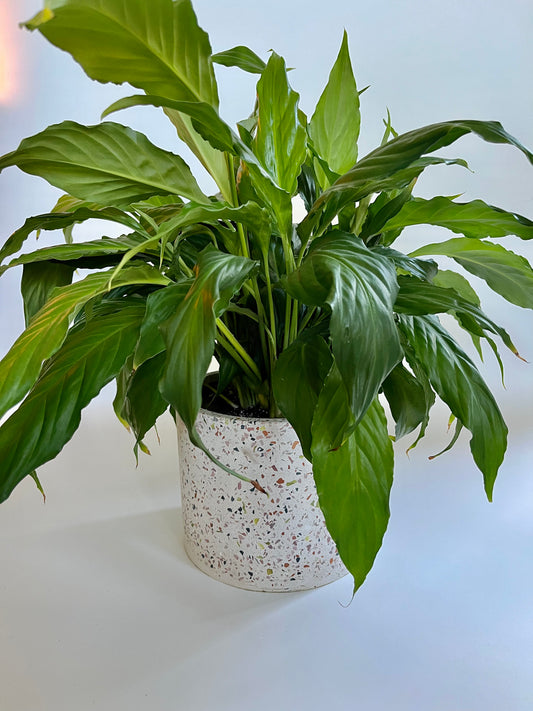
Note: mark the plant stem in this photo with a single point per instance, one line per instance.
(245, 247)
(243, 357)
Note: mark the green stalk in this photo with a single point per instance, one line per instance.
(243, 357)
(245, 247)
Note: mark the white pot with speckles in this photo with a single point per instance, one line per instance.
(276, 542)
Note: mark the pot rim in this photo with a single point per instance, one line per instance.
(226, 416)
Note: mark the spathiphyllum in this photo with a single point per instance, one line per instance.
(325, 322)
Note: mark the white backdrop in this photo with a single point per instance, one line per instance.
(98, 606)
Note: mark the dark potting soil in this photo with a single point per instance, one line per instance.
(217, 404)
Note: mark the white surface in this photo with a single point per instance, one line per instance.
(101, 609)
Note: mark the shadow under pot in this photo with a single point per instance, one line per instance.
(276, 542)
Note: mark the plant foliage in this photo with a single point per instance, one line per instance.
(320, 321)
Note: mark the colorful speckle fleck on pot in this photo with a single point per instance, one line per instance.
(276, 542)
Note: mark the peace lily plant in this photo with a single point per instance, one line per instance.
(319, 321)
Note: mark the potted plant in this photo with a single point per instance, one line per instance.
(315, 326)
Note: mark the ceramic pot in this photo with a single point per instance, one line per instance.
(276, 542)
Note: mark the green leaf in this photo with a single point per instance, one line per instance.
(241, 57)
(448, 279)
(396, 163)
(507, 273)
(20, 368)
(473, 219)
(360, 182)
(143, 402)
(354, 480)
(157, 46)
(407, 400)
(160, 306)
(360, 287)
(457, 381)
(425, 269)
(38, 282)
(90, 357)
(419, 298)
(109, 164)
(334, 127)
(189, 334)
(205, 118)
(61, 220)
(297, 380)
(82, 250)
(280, 138)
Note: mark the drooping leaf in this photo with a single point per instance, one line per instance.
(280, 137)
(473, 219)
(90, 357)
(21, 366)
(396, 163)
(189, 334)
(157, 46)
(241, 57)
(143, 402)
(80, 250)
(61, 220)
(360, 288)
(419, 298)
(297, 380)
(457, 381)
(107, 163)
(334, 126)
(37, 283)
(407, 400)
(507, 273)
(205, 118)
(354, 480)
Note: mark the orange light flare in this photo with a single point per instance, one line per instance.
(10, 60)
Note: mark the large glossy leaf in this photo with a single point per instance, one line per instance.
(334, 126)
(418, 298)
(91, 356)
(108, 163)
(241, 57)
(473, 219)
(61, 220)
(402, 151)
(457, 381)
(280, 137)
(507, 273)
(360, 287)
(21, 366)
(394, 164)
(353, 480)
(297, 380)
(156, 46)
(189, 334)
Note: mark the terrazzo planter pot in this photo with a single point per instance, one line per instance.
(236, 534)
